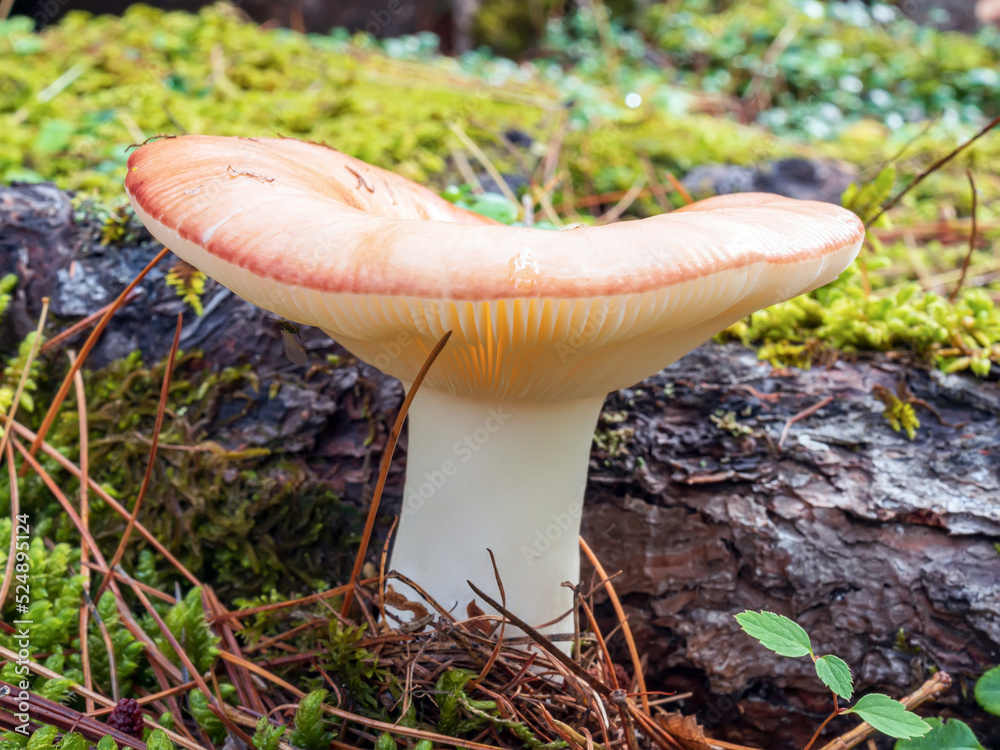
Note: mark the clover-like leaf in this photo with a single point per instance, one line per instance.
(953, 735)
(889, 716)
(776, 632)
(836, 675)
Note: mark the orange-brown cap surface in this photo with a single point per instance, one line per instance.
(386, 266)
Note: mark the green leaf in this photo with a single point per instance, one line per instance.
(496, 207)
(73, 741)
(988, 691)
(776, 632)
(836, 675)
(889, 716)
(107, 743)
(42, 739)
(385, 742)
(158, 740)
(954, 735)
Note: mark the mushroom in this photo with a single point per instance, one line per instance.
(544, 325)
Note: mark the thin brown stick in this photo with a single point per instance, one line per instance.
(108, 645)
(545, 643)
(615, 212)
(88, 346)
(381, 569)
(81, 408)
(151, 463)
(127, 619)
(503, 625)
(185, 659)
(53, 487)
(50, 712)
(820, 728)
(78, 326)
(15, 511)
(249, 696)
(69, 466)
(277, 606)
(145, 700)
(23, 380)
(802, 415)
(390, 446)
(973, 237)
(930, 690)
(679, 187)
(933, 168)
(602, 648)
(620, 613)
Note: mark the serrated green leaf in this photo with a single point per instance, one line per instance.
(73, 741)
(836, 675)
(776, 632)
(953, 735)
(988, 691)
(42, 739)
(889, 716)
(107, 742)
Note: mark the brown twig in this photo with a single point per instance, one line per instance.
(545, 643)
(25, 376)
(214, 704)
(933, 168)
(151, 463)
(973, 237)
(800, 416)
(69, 466)
(79, 326)
(503, 625)
(390, 446)
(81, 408)
(88, 346)
(620, 613)
(15, 511)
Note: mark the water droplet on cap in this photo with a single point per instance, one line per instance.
(523, 269)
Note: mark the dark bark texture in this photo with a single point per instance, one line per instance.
(884, 549)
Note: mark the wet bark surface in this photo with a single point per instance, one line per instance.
(883, 548)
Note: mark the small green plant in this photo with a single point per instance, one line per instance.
(267, 736)
(786, 638)
(866, 200)
(898, 412)
(310, 732)
(189, 283)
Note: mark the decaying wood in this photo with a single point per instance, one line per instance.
(885, 549)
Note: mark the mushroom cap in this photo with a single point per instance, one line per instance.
(386, 266)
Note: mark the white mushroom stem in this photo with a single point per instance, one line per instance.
(499, 475)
